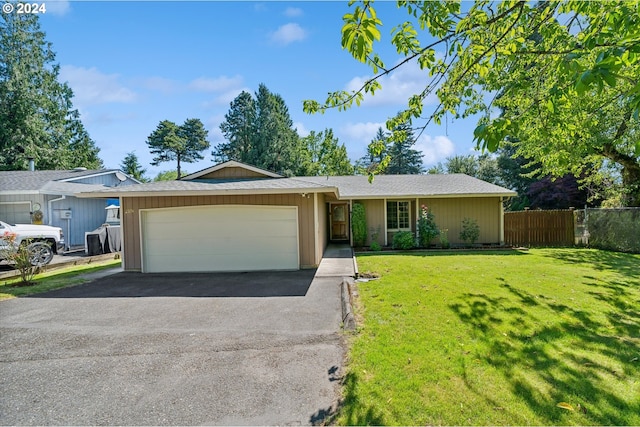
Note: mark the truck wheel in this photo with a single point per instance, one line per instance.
(40, 253)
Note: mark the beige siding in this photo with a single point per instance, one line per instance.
(233, 172)
(374, 210)
(449, 214)
(131, 224)
(323, 229)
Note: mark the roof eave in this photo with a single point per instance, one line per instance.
(426, 196)
(225, 192)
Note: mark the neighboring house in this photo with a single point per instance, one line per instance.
(235, 217)
(48, 197)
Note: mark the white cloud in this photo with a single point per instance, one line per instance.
(288, 33)
(160, 84)
(434, 148)
(302, 130)
(58, 7)
(92, 87)
(293, 12)
(361, 132)
(397, 87)
(217, 84)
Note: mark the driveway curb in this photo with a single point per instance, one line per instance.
(348, 319)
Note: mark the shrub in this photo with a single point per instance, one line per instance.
(19, 255)
(358, 224)
(375, 232)
(614, 229)
(470, 231)
(444, 238)
(404, 240)
(427, 229)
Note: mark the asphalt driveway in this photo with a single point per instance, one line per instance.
(173, 349)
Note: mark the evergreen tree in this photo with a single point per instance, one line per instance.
(131, 166)
(376, 159)
(36, 112)
(180, 143)
(402, 158)
(260, 132)
(239, 129)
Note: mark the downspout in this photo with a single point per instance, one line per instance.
(122, 257)
(50, 209)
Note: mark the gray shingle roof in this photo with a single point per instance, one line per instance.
(36, 180)
(275, 185)
(349, 187)
(352, 187)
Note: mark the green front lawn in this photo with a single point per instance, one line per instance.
(56, 279)
(501, 338)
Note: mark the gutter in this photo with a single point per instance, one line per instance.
(50, 208)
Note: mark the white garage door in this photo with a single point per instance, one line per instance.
(220, 238)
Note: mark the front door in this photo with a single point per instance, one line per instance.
(339, 219)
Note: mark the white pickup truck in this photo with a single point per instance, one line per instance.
(44, 241)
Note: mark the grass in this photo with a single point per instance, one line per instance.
(52, 280)
(496, 339)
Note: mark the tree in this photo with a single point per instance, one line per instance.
(483, 167)
(323, 155)
(167, 176)
(392, 154)
(37, 118)
(402, 158)
(376, 159)
(180, 143)
(131, 166)
(260, 132)
(564, 75)
(239, 130)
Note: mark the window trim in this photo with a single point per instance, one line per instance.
(397, 202)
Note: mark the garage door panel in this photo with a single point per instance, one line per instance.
(220, 238)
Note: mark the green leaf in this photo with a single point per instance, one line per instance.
(550, 106)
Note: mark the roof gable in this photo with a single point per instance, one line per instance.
(231, 170)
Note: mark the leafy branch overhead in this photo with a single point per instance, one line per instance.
(559, 77)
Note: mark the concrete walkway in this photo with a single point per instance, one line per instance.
(337, 262)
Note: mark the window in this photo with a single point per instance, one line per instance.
(398, 215)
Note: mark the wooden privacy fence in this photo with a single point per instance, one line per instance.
(539, 228)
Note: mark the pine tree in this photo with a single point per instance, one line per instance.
(36, 112)
(260, 132)
(376, 159)
(180, 143)
(131, 166)
(239, 129)
(402, 158)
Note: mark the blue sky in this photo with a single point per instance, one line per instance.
(133, 64)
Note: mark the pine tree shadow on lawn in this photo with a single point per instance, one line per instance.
(552, 352)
